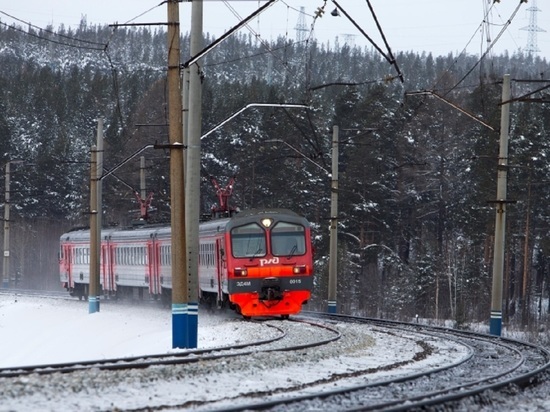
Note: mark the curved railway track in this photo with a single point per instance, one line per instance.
(491, 364)
(311, 362)
(274, 344)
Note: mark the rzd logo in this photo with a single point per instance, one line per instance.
(272, 261)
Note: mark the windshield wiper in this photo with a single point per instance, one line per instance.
(291, 253)
(257, 252)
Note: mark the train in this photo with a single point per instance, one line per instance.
(257, 262)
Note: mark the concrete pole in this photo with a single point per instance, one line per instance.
(6, 261)
(99, 203)
(93, 290)
(192, 185)
(185, 114)
(177, 195)
(526, 259)
(500, 222)
(333, 258)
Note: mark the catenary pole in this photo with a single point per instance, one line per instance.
(333, 249)
(93, 290)
(177, 195)
(185, 113)
(7, 224)
(495, 327)
(6, 260)
(192, 186)
(99, 203)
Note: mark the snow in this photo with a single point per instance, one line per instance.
(37, 331)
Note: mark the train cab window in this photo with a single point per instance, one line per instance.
(288, 239)
(248, 241)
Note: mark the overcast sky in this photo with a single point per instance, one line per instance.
(437, 26)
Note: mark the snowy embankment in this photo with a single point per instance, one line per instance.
(37, 330)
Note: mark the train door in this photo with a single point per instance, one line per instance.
(111, 266)
(102, 266)
(66, 265)
(220, 264)
(107, 277)
(153, 250)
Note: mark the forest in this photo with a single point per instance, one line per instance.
(418, 157)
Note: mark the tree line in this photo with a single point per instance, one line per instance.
(416, 175)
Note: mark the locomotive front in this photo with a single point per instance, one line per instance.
(270, 262)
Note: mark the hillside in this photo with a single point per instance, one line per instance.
(416, 231)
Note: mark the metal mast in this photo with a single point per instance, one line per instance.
(532, 29)
(301, 28)
(349, 39)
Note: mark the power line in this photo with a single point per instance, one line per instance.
(51, 32)
(490, 46)
(28, 33)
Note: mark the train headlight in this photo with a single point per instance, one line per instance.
(241, 272)
(299, 270)
(267, 222)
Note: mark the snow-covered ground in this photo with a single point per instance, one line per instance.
(35, 330)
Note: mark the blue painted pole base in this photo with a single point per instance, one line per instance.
(495, 327)
(331, 306)
(193, 324)
(5, 284)
(180, 326)
(93, 304)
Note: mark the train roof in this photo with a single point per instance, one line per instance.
(144, 231)
(278, 214)
(139, 232)
(208, 227)
(273, 211)
(213, 226)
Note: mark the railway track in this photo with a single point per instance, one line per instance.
(38, 293)
(45, 386)
(311, 362)
(491, 364)
(274, 344)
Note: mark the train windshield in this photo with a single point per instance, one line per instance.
(288, 239)
(248, 241)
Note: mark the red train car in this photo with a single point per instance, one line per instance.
(258, 262)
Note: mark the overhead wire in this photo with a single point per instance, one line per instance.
(322, 86)
(250, 56)
(307, 67)
(114, 71)
(489, 48)
(315, 141)
(388, 48)
(477, 63)
(28, 33)
(84, 45)
(257, 35)
(51, 32)
(285, 63)
(388, 56)
(485, 40)
(294, 8)
(270, 50)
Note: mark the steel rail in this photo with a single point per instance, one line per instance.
(439, 397)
